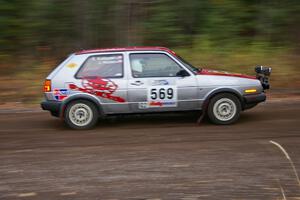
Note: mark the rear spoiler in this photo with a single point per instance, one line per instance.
(262, 74)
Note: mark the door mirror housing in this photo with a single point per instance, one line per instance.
(182, 73)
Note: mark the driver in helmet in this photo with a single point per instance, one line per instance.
(137, 66)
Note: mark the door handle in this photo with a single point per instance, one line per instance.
(137, 83)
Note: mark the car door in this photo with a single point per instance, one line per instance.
(103, 75)
(158, 82)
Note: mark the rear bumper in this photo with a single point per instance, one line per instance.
(53, 106)
(254, 98)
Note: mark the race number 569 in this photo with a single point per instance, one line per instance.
(162, 96)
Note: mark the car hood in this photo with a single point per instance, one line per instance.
(223, 73)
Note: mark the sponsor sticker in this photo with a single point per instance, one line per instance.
(162, 104)
(60, 94)
(72, 65)
(160, 82)
(142, 105)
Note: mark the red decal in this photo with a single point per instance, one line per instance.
(155, 103)
(222, 73)
(98, 86)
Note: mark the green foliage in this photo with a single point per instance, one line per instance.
(60, 26)
(224, 34)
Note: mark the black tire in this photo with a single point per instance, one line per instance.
(87, 107)
(230, 102)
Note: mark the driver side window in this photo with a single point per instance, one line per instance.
(153, 65)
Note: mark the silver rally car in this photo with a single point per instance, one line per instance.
(91, 84)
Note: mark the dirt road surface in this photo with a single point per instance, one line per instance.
(153, 157)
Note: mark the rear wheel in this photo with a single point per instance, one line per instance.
(224, 109)
(81, 114)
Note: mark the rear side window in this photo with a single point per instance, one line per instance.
(105, 66)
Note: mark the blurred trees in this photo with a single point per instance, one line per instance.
(55, 28)
(223, 34)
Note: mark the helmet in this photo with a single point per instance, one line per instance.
(137, 65)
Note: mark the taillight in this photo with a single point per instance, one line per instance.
(47, 86)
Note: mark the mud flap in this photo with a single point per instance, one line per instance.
(204, 109)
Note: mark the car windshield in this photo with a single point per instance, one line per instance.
(188, 65)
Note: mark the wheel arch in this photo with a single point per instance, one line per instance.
(81, 96)
(220, 91)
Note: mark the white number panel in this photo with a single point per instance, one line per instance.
(162, 96)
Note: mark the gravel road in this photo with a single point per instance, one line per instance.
(153, 157)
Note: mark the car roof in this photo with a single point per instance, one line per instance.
(125, 49)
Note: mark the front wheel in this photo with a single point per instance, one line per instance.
(224, 109)
(81, 114)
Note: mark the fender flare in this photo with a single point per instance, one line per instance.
(82, 96)
(222, 90)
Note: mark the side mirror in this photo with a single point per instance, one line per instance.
(182, 73)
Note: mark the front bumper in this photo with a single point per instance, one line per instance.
(254, 98)
(53, 106)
